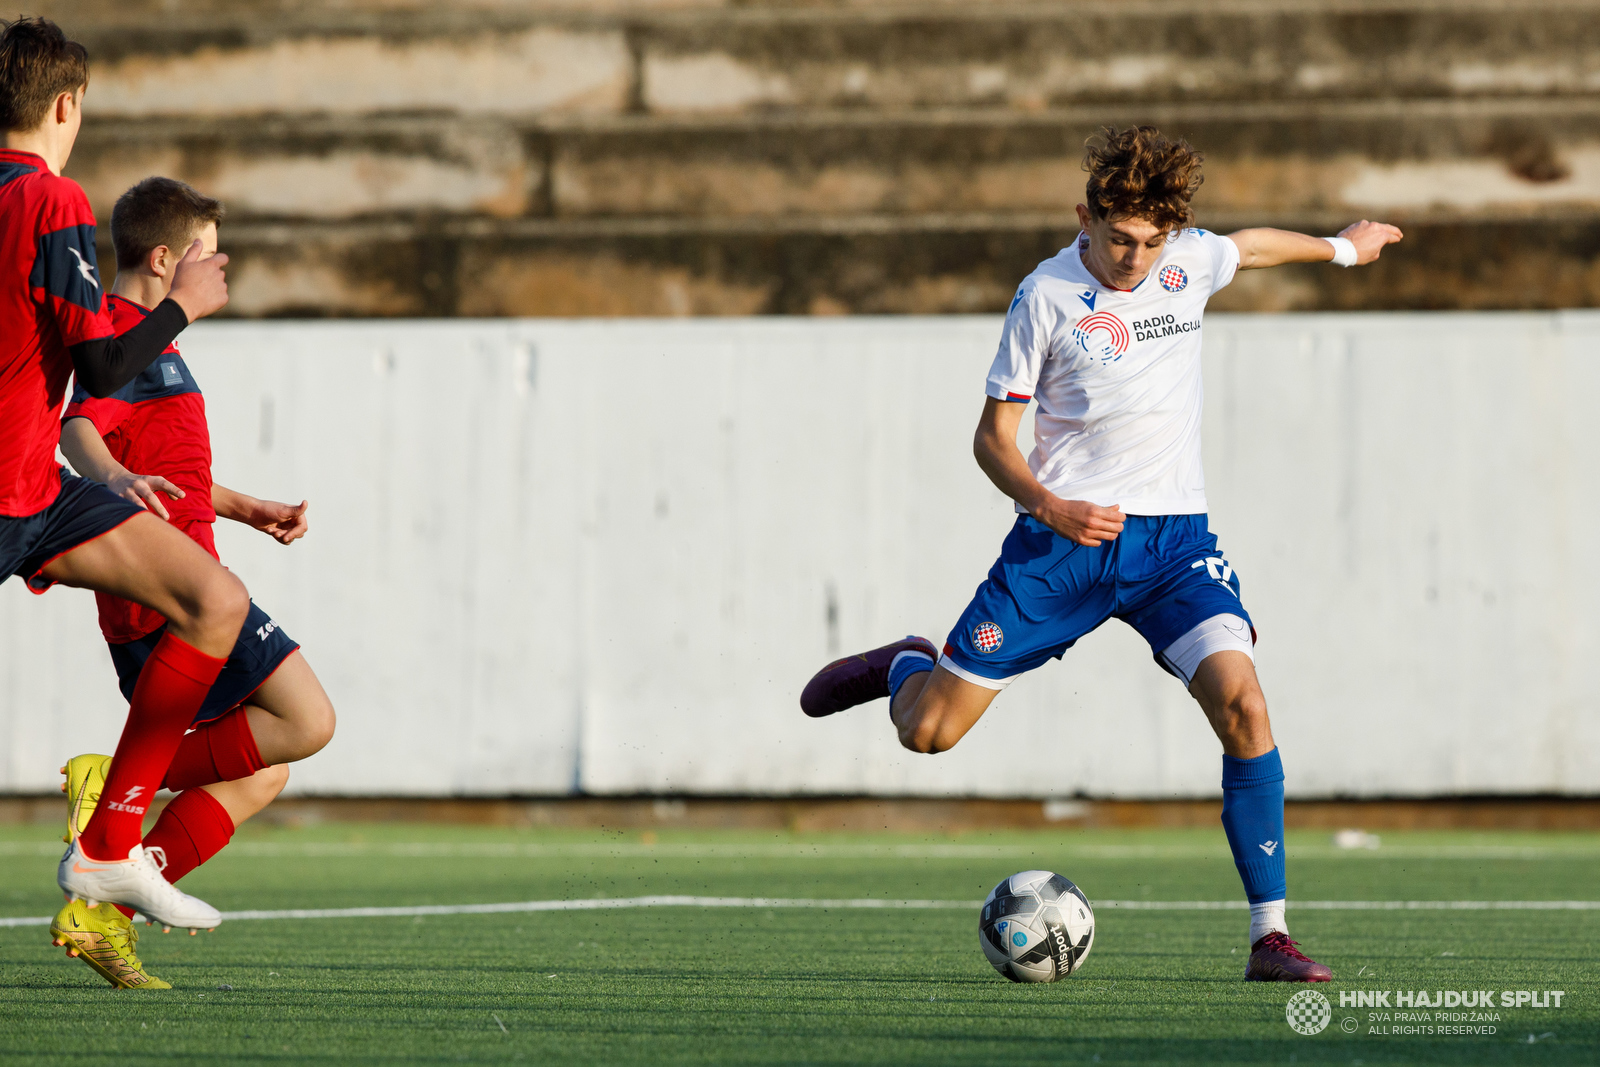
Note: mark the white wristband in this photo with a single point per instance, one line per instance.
(1344, 251)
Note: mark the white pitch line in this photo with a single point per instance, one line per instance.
(869, 903)
(805, 851)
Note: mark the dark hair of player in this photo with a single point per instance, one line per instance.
(37, 64)
(1137, 173)
(159, 211)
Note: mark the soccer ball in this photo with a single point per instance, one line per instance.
(1036, 927)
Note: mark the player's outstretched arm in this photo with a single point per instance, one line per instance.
(285, 523)
(1266, 247)
(87, 452)
(995, 446)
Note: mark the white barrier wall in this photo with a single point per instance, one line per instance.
(550, 556)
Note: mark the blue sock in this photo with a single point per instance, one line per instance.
(904, 666)
(1252, 816)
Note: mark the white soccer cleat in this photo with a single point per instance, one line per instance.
(135, 882)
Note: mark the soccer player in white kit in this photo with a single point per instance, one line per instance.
(1105, 338)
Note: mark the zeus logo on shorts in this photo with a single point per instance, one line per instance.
(986, 637)
(264, 632)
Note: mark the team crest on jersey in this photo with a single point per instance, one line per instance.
(1173, 279)
(986, 637)
(1102, 335)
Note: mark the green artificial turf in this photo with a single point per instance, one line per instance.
(790, 985)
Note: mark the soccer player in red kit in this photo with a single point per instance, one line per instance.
(266, 708)
(55, 527)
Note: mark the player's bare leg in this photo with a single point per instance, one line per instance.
(148, 561)
(1226, 687)
(247, 796)
(1230, 694)
(935, 709)
(290, 715)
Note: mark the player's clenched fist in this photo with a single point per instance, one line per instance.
(198, 283)
(1081, 522)
(286, 523)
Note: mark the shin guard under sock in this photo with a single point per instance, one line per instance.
(223, 750)
(171, 687)
(191, 829)
(1252, 815)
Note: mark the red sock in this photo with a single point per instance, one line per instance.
(171, 687)
(220, 751)
(192, 829)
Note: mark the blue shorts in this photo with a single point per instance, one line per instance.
(261, 649)
(1163, 575)
(81, 512)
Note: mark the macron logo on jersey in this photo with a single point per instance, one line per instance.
(1089, 298)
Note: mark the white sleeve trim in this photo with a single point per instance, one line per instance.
(997, 684)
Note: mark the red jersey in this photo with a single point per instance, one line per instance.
(156, 424)
(50, 299)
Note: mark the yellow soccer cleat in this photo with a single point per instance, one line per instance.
(86, 776)
(103, 938)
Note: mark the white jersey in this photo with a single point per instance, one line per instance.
(1116, 374)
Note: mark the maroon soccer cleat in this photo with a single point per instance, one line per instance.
(1275, 959)
(844, 683)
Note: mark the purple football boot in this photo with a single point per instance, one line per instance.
(1275, 959)
(844, 683)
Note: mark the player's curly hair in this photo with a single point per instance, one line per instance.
(37, 64)
(1138, 173)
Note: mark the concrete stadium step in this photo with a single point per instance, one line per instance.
(1420, 159)
(580, 157)
(597, 59)
(857, 264)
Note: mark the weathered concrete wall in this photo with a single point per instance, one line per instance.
(717, 157)
(606, 556)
